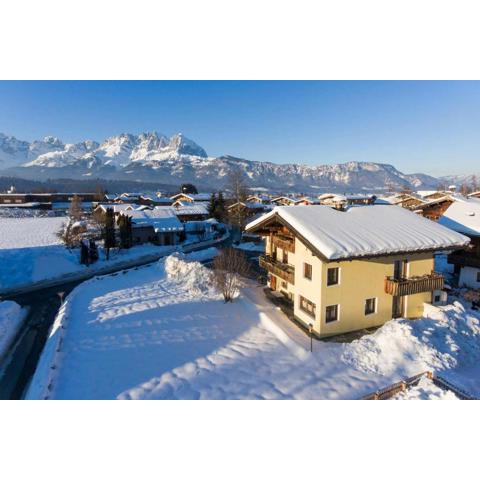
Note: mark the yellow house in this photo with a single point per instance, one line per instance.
(347, 270)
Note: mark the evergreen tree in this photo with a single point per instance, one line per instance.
(125, 230)
(188, 188)
(109, 233)
(221, 208)
(212, 205)
(92, 251)
(84, 256)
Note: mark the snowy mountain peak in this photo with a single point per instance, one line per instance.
(152, 156)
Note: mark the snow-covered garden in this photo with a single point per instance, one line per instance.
(164, 332)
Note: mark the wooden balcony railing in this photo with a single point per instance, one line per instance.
(464, 259)
(285, 243)
(282, 270)
(410, 286)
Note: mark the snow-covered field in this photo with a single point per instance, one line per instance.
(11, 318)
(29, 232)
(30, 252)
(163, 332)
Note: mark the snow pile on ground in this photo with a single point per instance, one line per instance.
(443, 339)
(191, 274)
(425, 390)
(11, 318)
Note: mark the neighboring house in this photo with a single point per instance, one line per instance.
(258, 199)
(308, 201)
(247, 209)
(160, 226)
(191, 211)
(463, 216)
(347, 270)
(434, 209)
(43, 200)
(406, 200)
(284, 201)
(341, 201)
(191, 197)
(474, 195)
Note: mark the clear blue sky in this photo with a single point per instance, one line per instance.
(431, 127)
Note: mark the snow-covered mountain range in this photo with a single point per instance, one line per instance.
(171, 160)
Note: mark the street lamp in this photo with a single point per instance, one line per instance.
(310, 331)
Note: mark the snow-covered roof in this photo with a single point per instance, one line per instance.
(191, 209)
(463, 216)
(364, 230)
(117, 207)
(195, 197)
(162, 220)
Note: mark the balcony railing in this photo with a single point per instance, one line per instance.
(464, 259)
(285, 243)
(411, 286)
(282, 270)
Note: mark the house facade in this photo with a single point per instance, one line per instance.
(463, 216)
(339, 277)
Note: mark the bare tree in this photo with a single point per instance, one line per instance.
(75, 211)
(229, 267)
(236, 183)
(69, 235)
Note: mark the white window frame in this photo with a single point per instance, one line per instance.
(338, 313)
(376, 306)
(339, 277)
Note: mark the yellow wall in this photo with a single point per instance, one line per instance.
(359, 280)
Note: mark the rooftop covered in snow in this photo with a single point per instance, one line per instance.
(362, 231)
(463, 216)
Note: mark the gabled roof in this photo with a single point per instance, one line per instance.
(362, 231)
(162, 220)
(463, 216)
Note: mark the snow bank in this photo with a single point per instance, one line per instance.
(191, 274)
(425, 390)
(443, 339)
(11, 318)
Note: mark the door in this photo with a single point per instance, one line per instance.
(273, 282)
(399, 272)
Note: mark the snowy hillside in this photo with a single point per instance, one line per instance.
(156, 157)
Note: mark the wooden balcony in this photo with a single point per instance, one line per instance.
(464, 259)
(284, 242)
(282, 270)
(411, 286)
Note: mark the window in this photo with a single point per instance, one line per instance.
(370, 306)
(284, 285)
(331, 313)
(307, 306)
(307, 271)
(437, 299)
(332, 276)
(285, 256)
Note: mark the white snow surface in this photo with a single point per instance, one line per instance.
(425, 390)
(463, 216)
(29, 232)
(11, 318)
(365, 230)
(163, 332)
